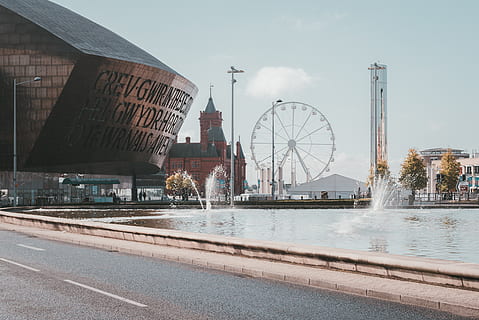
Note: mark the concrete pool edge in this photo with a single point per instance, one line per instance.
(433, 271)
(443, 298)
(446, 299)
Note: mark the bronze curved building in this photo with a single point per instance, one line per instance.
(103, 105)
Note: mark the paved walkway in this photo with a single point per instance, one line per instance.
(453, 300)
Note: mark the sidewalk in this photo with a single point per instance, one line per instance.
(453, 300)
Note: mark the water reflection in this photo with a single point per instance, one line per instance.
(378, 245)
(448, 223)
(442, 233)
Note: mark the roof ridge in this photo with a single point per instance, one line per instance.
(81, 33)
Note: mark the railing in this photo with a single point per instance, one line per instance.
(446, 197)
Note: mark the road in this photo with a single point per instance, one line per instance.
(42, 279)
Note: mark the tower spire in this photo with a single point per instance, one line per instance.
(211, 86)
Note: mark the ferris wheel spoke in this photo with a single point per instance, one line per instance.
(269, 143)
(313, 156)
(301, 161)
(266, 127)
(284, 128)
(280, 150)
(276, 134)
(282, 162)
(304, 137)
(264, 159)
(269, 156)
(280, 136)
(292, 124)
(304, 124)
(314, 144)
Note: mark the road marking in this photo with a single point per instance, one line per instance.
(20, 265)
(107, 294)
(30, 247)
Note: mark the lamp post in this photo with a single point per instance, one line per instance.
(232, 169)
(15, 84)
(272, 148)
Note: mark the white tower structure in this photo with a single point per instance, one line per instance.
(378, 115)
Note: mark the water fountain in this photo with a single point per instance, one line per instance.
(211, 188)
(188, 177)
(383, 190)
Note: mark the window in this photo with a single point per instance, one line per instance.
(177, 165)
(195, 163)
(469, 170)
(476, 169)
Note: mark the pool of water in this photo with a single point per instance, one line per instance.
(437, 233)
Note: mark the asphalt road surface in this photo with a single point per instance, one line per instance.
(41, 279)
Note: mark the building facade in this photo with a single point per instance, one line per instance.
(103, 105)
(468, 179)
(199, 159)
(432, 160)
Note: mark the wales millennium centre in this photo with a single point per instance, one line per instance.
(83, 99)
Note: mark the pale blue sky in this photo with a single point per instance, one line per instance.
(431, 49)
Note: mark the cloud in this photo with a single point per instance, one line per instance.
(272, 82)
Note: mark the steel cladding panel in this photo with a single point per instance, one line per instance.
(113, 116)
(91, 113)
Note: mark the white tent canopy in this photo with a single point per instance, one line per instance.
(335, 186)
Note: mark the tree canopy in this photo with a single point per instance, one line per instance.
(180, 185)
(382, 172)
(450, 169)
(413, 175)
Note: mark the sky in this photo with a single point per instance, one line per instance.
(318, 53)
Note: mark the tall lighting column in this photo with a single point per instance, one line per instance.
(232, 169)
(378, 115)
(15, 84)
(272, 148)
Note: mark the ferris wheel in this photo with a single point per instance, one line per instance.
(303, 141)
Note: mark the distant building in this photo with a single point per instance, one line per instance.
(432, 160)
(468, 178)
(199, 159)
(334, 186)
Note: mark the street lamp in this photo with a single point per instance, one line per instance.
(232, 169)
(272, 149)
(15, 84)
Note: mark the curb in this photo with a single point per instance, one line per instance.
(431, 271)
(275, 271)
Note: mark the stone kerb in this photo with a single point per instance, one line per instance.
(443, 272)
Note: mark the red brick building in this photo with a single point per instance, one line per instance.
(199, 159)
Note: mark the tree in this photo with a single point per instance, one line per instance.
(180, 184)
(382, 172)
(413, 175)
(450, 169)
